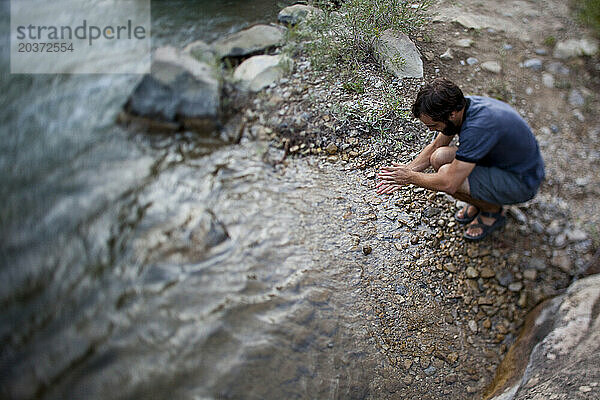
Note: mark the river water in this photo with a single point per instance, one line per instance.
(136, 266)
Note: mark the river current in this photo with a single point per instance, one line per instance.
(140, 266)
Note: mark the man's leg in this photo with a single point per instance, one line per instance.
(445, 155)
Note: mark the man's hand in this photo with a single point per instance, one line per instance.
(393, 178)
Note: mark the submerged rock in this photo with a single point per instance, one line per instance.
(250, 41)
(180, 91)
(399, 55)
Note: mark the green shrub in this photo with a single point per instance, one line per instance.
(589, 13)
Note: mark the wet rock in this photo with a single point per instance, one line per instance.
(258, 72)
(292, 15)
(179, 90)
(447, 55)
(533, 63)
(249, 41)
(492, 66)
(558, 346)
(393, 45)
(575, 48)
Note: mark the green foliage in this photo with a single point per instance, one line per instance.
(348, 35)
(589, 13)
(550, 41)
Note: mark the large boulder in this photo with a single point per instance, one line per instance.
(293, 15)
(250, 41)
(259, 72)
(556, 355)
(180, 91)
(575, 48)
(399, 55)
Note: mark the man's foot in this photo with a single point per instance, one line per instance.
(485, 224)
(466, 214)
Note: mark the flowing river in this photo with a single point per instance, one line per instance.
(135, 266)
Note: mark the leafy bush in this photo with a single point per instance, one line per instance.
(589, 12)
(347, 36)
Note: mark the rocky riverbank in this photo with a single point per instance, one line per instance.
(442, 311)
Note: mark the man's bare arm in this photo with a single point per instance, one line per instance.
(421, 161)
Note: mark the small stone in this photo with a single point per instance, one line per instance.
(533, 63)
(473, 326)
(408, 380)
(515, 286)
(548, 80)
(585, 389)
(492, 66)
(557, 68)
(562, 260)
(537, 263)
(425, 362)
(541, 52)
(504, 278)
(464, 43)
(452, 358)
(576, 235)
(472, 61)
(367, 250)
(472, 273)
(471, 390)
(537, 227)
(485, 301)
(452, 378)
(487, 272)
(414, 239)
(530, 274)
(430, 370)
(522, 300)
(576, 99)
(331, 148)
(507, 47)
(407, 364)
(447, 55)
(487, 323)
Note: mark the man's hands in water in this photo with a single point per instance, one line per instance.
(392, 178)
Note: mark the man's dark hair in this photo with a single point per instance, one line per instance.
(438, 99)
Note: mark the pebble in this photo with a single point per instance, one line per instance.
(331, 148)
(472, 273)
(585, 389)
(576, 235)
(472, 61)
(515, 286)
(541, 52)
(447, 55)
(557, 68)
(576, 98)
(492, 66)
(487, 273)
(430, 370)
(452, 358)
(505, 278)
(367, 250)
(464, 43)
(507, 47)
(530, 274)
(548, 80)
(450, 379)
(533, 63)
(473, 326)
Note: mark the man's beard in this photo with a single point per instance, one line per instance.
(450, 128)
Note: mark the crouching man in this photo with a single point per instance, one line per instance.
(497, 161)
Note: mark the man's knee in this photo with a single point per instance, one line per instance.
(441, 156)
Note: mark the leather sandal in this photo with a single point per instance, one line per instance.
(467, 219)
(486, 229)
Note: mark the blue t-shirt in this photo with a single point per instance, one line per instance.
(493, 134)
